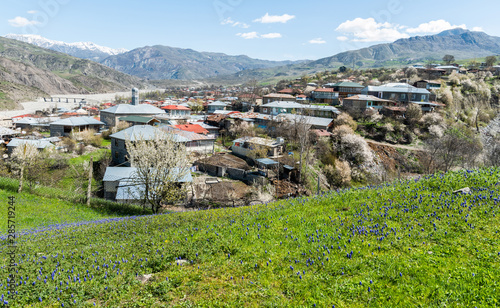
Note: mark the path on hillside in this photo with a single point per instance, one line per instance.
(397, 146)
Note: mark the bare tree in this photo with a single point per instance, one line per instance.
(457, 147)
(161, 165)
(28, 161)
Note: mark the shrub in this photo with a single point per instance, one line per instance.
(351, 147)
(432, 118)
(413, 113)
(345, 119)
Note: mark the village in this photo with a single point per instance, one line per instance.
(243, 148)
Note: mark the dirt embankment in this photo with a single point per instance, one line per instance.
(397, 161)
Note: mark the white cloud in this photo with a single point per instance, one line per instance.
(368, 30)
(318, 40)
(19, 22)
(268, 19)
(32, 12)
(248, 35)
(434, 26)
(479, 29)
(229, 21)
(271, 35)
(254, 35)
(342, 38)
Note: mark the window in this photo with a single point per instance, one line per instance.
(116, 142)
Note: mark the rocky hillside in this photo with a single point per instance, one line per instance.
(463, 44)
(162, 62)
(58, 73)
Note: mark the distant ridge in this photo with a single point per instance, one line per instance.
(84, 50)
(463, 44)
(163, 62)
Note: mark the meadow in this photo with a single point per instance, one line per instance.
(404, 244)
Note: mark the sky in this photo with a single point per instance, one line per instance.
(263, 29)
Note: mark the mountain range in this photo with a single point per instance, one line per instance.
(28, 71)
(84, 50)
(462, 44)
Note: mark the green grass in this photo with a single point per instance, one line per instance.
(406, 244)
(34, 212)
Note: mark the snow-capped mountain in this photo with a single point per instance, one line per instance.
(84, 50)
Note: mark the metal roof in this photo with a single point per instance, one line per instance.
(267, 161)
(7, 131)
(395, 88)
(134, 109)
(118, 173)
(78, 121)
(364, 97)
(145, 132)
(258, 140)
(315, 121)
(346, 84)
(219, 103)
(137, 119)
(39, 144)
(33, 121)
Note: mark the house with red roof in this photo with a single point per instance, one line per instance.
(193, 128)
(177, 111)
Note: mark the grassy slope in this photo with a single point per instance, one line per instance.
(400, 245)
(33, 211)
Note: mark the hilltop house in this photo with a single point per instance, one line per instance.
(325, 95)
(65, 127)
(277, 97)
(403, 94)
(345, 88)
(362, 102)
(276, 108)
(111, 115)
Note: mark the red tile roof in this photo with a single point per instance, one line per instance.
(194, 128)
(324, 90)
(175, 107)
(23, 116)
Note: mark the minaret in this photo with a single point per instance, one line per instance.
(135, 96)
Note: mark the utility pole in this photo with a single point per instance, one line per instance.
(89, 188)
(318, 184)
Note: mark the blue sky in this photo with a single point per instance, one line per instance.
(271, 29)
